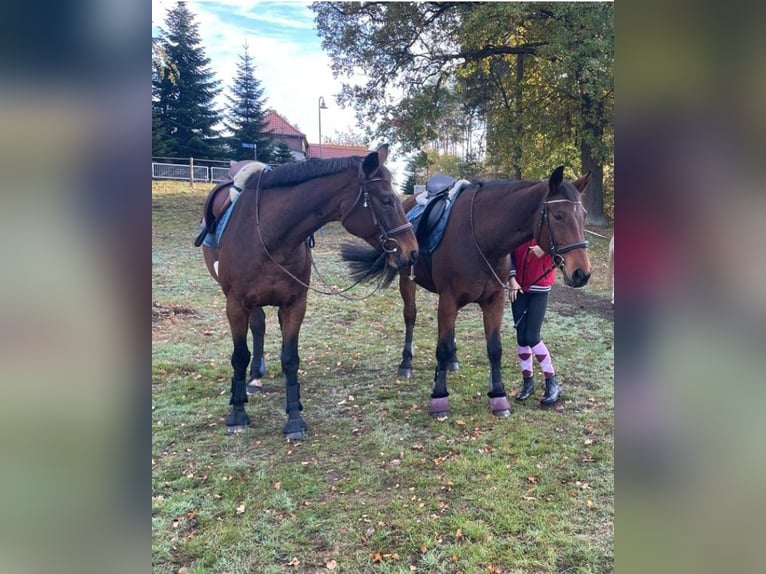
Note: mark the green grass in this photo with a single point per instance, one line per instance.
(378, 486)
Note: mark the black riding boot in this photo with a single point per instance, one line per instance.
(526, 390)
(552, 392)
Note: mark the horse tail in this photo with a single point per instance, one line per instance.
(367, 264)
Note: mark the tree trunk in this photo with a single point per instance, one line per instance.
(518, 126)
(593, 200)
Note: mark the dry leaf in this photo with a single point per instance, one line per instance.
(277, 485)
(459, 534)
(376, 557)
(241, 508)
(331, 564)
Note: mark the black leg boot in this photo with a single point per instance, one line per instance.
(526, 390)
(552, 392)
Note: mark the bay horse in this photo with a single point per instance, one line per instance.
(263, 258)
(472, 261)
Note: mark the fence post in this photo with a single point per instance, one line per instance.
(191, 172)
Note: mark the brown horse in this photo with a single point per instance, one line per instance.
(263, 258)
(471, 265)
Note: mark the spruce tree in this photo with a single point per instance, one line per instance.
(183, 90)
(245, 113)
(282, 154)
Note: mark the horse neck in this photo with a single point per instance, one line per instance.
(306, 207)
(512, 217)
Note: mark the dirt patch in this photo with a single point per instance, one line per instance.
(162, 312)
(568, 301)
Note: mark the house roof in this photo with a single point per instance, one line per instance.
(278, 125)
(335, 150)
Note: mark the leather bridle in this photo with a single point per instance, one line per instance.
(387, 239)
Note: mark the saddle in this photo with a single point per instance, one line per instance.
(430, 221)
(224, 195)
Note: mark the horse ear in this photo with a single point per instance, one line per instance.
(582, 182)
(557, 176)
(383, 153)
(374, 160)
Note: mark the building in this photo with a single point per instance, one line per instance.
(336, 150)
(282, 132)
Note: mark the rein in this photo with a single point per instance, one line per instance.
(385, 237)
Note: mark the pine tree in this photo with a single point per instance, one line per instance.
(282, 154)
(245, 113)
(183, 90)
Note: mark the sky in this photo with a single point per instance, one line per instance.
(286, 51)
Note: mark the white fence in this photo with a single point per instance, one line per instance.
(190, 172)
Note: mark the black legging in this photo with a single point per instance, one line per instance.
(528, 324)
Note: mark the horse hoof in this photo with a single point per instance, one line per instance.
(254, 387)
(500, 406)
(237, 420)
(453, 366)
(295, 429)
(404, 373)
(439, 408)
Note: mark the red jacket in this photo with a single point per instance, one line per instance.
(528, 268)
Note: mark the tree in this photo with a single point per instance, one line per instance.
(246, 111)
(537, 78)
(183, 90)
(282, 154)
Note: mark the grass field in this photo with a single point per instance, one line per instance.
(378, 486)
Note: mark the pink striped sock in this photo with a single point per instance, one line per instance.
(544, 358)
(525, 360)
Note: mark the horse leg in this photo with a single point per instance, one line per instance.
(290, 319)
(445, 349)
(407, 290)
(258, 366)
(492, 312)
(237, 420)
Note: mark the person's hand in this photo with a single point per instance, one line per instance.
(536, 250)
(515, 289)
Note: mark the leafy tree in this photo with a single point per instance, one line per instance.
(246, 111)
(183, 90)
(282, 154)
(537, 78)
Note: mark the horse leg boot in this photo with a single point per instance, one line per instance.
(290, 320)
(410, 312)
(445, 348)
(237, 420)
(498, 400)
(439, 407)
(258, 365)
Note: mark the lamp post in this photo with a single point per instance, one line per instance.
(322, 106)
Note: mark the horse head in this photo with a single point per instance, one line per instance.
(377, 215)
(561, 227)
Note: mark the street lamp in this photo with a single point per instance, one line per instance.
(322, 106)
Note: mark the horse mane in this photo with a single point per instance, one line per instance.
(513, 185)
(297, 172)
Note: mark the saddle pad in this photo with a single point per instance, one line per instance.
(214, 239)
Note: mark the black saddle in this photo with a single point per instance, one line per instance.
(439, 183)
(437, 187)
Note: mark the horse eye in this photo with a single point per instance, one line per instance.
(558, 217)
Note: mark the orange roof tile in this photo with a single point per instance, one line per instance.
(336, 150)
(276, 124)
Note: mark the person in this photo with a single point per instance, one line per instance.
(531, 276)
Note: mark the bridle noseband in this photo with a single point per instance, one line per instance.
(387, 240)
(557, 252)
